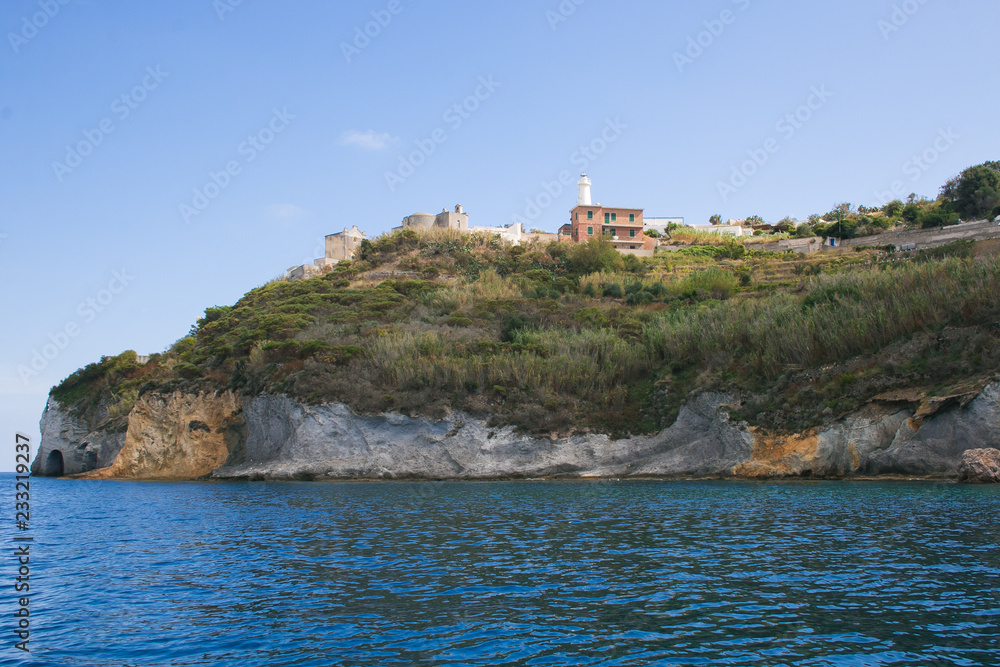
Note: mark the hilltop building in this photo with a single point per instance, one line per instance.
(622, 227)
(457, 219)
(342, 245)
(339, 247)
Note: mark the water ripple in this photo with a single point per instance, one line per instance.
(528, 573)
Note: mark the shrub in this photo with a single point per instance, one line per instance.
(640, 298)
(594, 256)
(591, 316)
(539, 276)
(718, 283)
(187, 371)
(312, 347)
(613, 291)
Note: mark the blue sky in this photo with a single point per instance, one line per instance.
(115, 115)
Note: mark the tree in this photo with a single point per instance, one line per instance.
(893, 209)
(939, 214)
(785, 225)
(804, 231)
(593, 256)
(911, 212)
(716, 219)
(755, 220)
(976, 191)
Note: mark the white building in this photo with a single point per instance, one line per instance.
(513, 234)
(660, 225)
(731, 230)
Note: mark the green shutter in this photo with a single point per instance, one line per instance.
(590, 231)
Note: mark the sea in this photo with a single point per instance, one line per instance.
(503, 573)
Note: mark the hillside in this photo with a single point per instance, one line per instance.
(561, 339)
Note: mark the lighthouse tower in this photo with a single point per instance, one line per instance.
(583, 198)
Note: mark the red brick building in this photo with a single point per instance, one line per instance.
(621, 226)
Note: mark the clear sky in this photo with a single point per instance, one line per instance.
(201, 147)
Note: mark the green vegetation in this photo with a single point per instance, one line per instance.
(103, 392)
(558, 337)
(975, 193)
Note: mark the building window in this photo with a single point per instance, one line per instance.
(607, 218)
(631, 233)
(590, 215)
(590, 231)
(631, 217)
(614, 217)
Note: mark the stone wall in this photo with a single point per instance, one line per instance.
(930, 238)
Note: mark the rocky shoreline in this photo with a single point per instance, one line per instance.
(225, 436)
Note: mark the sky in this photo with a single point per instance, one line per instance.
(165, 156)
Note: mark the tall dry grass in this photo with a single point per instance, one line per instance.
(841, 316)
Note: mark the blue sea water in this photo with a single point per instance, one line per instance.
(508, 573)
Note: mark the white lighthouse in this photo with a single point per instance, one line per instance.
(583, 198)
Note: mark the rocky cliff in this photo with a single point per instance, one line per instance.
(70, 445)
(181, 436)
(290, 440)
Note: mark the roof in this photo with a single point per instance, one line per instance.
(619, 208)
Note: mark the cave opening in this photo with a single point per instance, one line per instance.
(53, 464)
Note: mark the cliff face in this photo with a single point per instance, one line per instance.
(179, 436)
(934, 446)
(69, 445)
(290, 440)
(182, 436)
